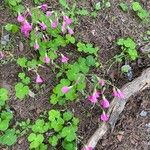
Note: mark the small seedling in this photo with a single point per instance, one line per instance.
(128, 47)
(141, 13)
(124, 7)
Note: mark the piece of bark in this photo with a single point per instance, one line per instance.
(117, 106)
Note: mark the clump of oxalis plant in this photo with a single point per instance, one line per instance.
(7, 134)
(58, 129)
(140, 12)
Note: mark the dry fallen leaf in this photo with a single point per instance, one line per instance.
(120, 135)
(21, 47)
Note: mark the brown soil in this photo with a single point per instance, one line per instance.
(130, 132)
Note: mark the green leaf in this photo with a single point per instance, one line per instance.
(31, 137)
(68, 133)
(98, 6)
(53, 140)
(21, 75)
(12, 2)
(90, 61)
(35, 139)
(143, 14)
(125, 68)
(57, 125)
(11, 27)
(124, 6)
(69, 145)
(3, 96)
(21, 90)
(8, 138)
(22, 62)
(54, 99)
(67, 116)
(8, 27)
(64, 3)
(40, 126)
(120, 41)
(53, 114)
(75, 121)
(82, 12)
(70, 38)
(136, 6)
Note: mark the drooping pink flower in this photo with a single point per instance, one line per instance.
(94, 96)
(26, 28)
(70, 31)
(46, 59)
(54, 24)
(49, 13)
(66, 89)
(36, 45)
(1, 55)
(43, 26)
(67, 20)
(20, 18)
(118, 93)
(104, 117)
(105, 103)
(88, 148)
(115, 93)
(64, 59)
(44, 7)
(39, 79)
(102, 82)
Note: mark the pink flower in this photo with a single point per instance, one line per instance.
(88, 148)
(20, 18)
(43, 26)
(36, 45)
(49, 13)
(1, 55)
(67, 20)
(39, 79)
(66, 89)
(64, 59)
(26, 28)
(120, 94)
(104, 117)
(70, 31)
(93, 97)
(105, 103)
(46, 59)
(117, 93)
(44, 7)
(102, 82)
(54, 24)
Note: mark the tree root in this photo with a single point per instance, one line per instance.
(117, 106)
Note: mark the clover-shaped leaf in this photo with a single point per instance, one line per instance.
(69, 133)
(53, 115)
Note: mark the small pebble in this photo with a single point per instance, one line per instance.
(148, 125)
(143, 113)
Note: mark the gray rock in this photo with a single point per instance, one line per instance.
(5, 39)
(147, 125)
(143, 113)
